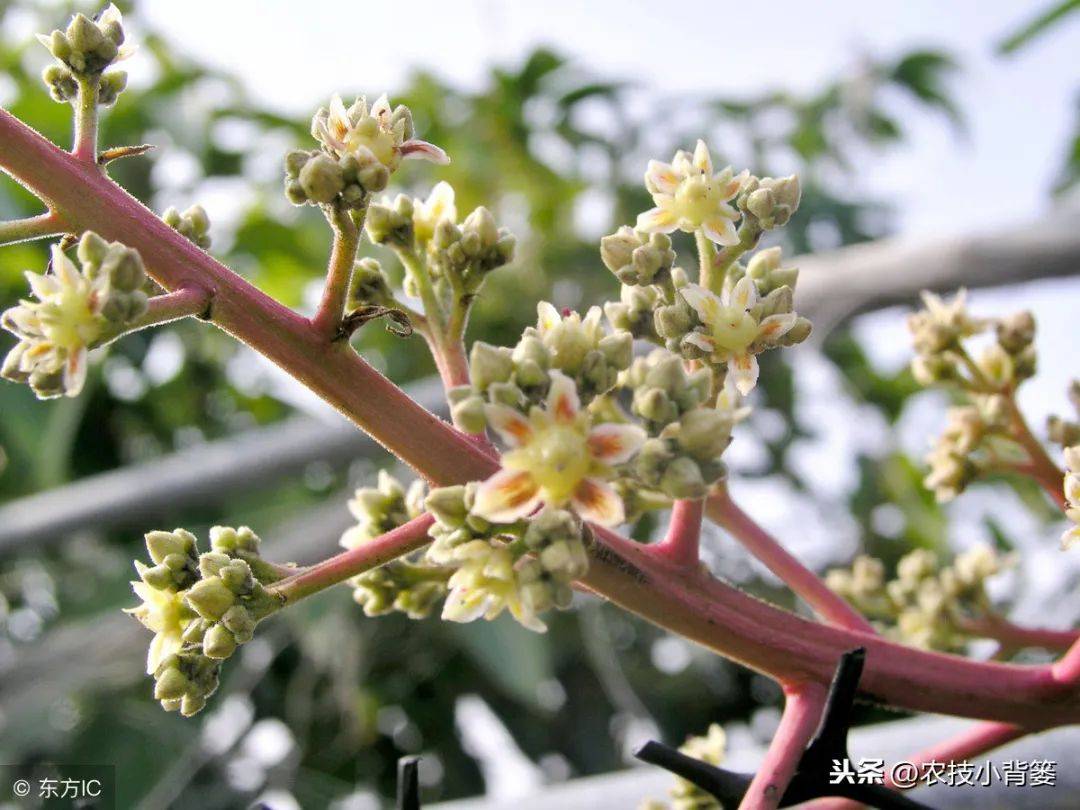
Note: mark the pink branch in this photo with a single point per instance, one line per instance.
(802, 713)
(680, 545)
(1016, 637)
(404, 539)
(694, 605)
(804, 582)
(327, 318)
(1067, 670)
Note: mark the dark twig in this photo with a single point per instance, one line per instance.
(408, 783)
(813, 778)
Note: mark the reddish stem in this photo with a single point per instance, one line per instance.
(1016, 637)
(802, 713)
(404, 539)
(327, 318)
(681, 544)
(694, 605)
(1067, 670)
(1040, 466)
(805, 583)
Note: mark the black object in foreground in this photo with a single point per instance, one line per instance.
(812, 776)
(408, 783)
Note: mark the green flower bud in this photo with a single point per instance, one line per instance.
(111, 85)
(469, 415)
(799, 332)
(295, 162)
(171, 685)
(617, 349)
(447, 504)
(210, 598)
(240, 623)
(490, 364)
(481, 222)
(369, 285)
(162, 544)
(321, 179)
(704, 432)
(683, 479)
(218, 643)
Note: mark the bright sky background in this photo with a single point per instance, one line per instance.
(1020, 110)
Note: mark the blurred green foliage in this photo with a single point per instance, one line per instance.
(558, 155)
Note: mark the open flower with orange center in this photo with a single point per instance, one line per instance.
(381, 133)
(556, 457)
(690, 197)
(732, 334)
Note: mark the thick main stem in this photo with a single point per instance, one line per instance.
(802, 713)
(404, 539)
(803, 582)
(697, 606)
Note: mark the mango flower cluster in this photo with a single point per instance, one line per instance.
(938, 334)
(978, 435)
(688, 427)
(360, 149)
(83, 52)
(710, 748)
(926, 605)
(200, 607)
(1071, 537)
(479, 567)
(458, 255)
(519, 377)
(77, 307)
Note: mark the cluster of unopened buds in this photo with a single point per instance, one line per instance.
(83, 53)
(78, 306)
(200, 607)
(979, 436)
(926, 605)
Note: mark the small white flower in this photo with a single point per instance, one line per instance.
(56, 330)
(689, 197)
(165, 614)
(380, 133)
(569, 338)
(732, 334)
(427, 214)
(556, 458)
(485, 584)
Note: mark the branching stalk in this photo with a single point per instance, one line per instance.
(802, 713)
(86, 120)
(327, 318)
(693, 604)
(722, 510)
(402, 540)
(42, 226)
(681, 544)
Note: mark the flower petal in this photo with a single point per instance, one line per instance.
(563, 403)
(424, 151)
(512, 426)
(776, 326)
(721, 230)
(661, 178)
(507, 496)
(702, 341)
(657, 220)
(705, 303)
(702, 159)
(75, 372)
(614, 443)
(547, 317)
(744, 293)
(735, 183)
(598, 502)
(745, 369)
